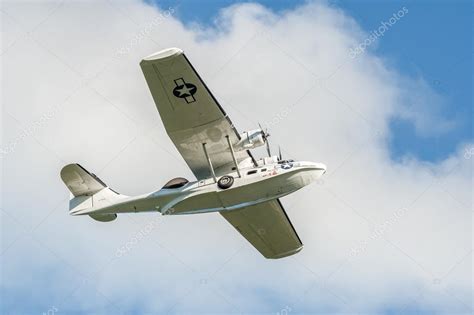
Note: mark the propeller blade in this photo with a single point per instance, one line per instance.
(279, 154)
(265, 133)
(265, 136)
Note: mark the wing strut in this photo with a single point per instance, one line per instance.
(209, 162)
(233, 156)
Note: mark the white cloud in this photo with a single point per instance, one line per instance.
(259, 64)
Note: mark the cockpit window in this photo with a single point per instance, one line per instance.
(176, 183)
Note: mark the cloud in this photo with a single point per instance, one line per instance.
(379, 236)
(424, 108)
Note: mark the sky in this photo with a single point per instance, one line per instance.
(387, 230)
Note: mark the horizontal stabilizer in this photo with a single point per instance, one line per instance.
(89, 193)
(80, 182)
(104, 217)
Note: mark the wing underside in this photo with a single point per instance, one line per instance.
(267, 227)
(190, 113)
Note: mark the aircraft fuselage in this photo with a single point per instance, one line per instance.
(255, 185)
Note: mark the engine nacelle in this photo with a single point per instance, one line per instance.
(250, 140)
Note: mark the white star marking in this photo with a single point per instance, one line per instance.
(184, 90)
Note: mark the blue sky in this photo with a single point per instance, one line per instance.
(434, 41)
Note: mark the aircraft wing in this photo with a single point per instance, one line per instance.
(190, 113)
(267, 227)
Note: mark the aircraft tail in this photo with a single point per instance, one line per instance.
(88, 192)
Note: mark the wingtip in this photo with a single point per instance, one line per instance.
(286, 254)
(164, 54)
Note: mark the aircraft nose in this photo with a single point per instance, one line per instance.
(319, 166)
(324, 167)
(314, 166)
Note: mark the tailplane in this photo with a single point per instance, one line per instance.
(88, 192)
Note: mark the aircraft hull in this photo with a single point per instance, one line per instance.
(201, 197)
(243, 193)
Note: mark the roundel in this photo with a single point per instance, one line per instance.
(184, 90)
(286, 166)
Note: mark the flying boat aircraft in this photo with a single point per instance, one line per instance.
(230, 180)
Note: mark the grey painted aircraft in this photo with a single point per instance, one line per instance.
(244, 190)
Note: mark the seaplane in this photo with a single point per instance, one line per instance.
(229, 180)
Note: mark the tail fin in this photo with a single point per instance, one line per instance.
(88, 192)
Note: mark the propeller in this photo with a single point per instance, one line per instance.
(279, 154)
(265, 136)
